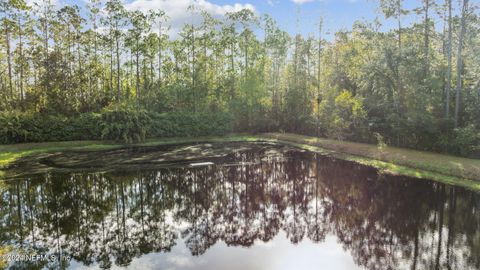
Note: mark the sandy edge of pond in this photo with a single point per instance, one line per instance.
(423, 165)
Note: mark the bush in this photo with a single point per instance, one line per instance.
(179, 124)
(85, 127)
(343, 116)
(11, 128)
(124, 123)
(461, 141)
(19, 127)
(120, 123)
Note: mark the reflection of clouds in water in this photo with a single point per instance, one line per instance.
(274, 255)
(307, 255)
(180, 261)
(179, 258)
(296, 212)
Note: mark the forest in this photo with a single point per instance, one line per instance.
(101, 71)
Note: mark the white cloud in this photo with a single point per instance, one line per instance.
(299, 2)
(178, 13)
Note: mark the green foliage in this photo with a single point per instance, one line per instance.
(418, 129)
(124, 123)
(62, 88)
(461, 141)
(19, 127)
(85, 126)
(190, 124)
(12, 129)
(343, 116)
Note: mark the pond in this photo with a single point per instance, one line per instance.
(234, 206)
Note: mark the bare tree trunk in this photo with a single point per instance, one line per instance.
(459, 61)
(449, 61)
(246, 56)
(129, 73)
(137, 72)
(319, 74)
(399, 77)
(232, 60)
(146, 79)
(21, 60)
(45, 28)
(152, 71)
(399, 23)
(205, 72)
(95, 49)
(9, 61)
(118, 68)
(111, 66)
(426, 37)
(79, 55)
(193, 70)
(160, 55)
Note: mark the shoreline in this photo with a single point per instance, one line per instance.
(390, 160)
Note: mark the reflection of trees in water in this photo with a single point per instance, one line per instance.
(110, 218)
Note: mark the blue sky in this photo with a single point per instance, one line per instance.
(337, 14)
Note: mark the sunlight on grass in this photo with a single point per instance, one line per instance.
(425, 165)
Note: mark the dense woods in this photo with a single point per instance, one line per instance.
(70, 72)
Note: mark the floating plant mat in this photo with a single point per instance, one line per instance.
(147, 157)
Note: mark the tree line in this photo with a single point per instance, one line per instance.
(415, 85)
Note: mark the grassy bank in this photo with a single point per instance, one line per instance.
(443, 168)
(426, 165)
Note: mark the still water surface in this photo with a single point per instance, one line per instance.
(263, 207)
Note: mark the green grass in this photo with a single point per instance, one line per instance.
(443, 168)
(425, 165)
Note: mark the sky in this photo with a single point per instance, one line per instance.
(337, 14)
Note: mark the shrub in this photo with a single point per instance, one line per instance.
(461, 141)
(120, 123)
(85, 127)
(124, 123)
(19, 127)
(343, 116)
(181, 124)
(11, 128)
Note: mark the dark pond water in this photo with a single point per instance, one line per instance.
(263, 207)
